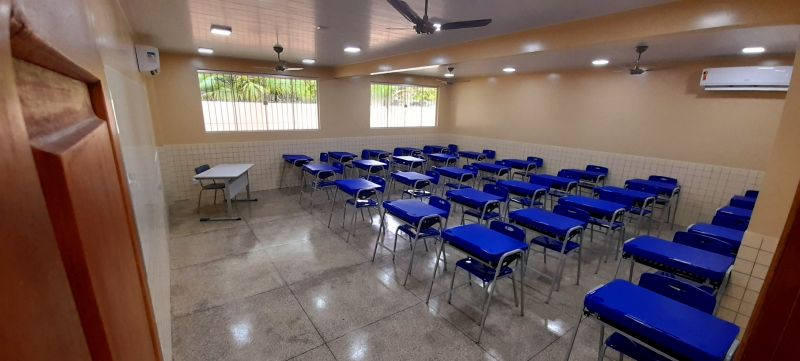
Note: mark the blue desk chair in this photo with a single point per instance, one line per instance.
(452, 149)
(465, 178)
(323, 180)
(563, 248)
(669, 287)
(597, 169)
(429, 227)
(490, 273)
(417, 190)
(434, 181)
(360, 200)
(490, 154)
(382, 183)
(495, 210)
(324, 157)
(638, 210)
(213, 186)
(724, 220)
(751, 193)
(705, 242)
(610, 226)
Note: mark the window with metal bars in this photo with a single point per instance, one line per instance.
(402, 106)
(236, 102)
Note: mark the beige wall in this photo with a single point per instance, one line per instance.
(661, 114)
(126, 90)
(343, 103)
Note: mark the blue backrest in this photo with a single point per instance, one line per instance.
(323, 157)
(704, 242)
(440, 203)
(428, 149)
(662, 179)
(597, 168)
(365, 154)
(497, 190)
(398, 152)
(453, 149)
(490, 154)
(730, 222)
(433, 174)
(201, 169)
(572, 212)
(508, 229)
(678, 290)
(379, 181)
(751, 193)
(539, 161)
(338, 167)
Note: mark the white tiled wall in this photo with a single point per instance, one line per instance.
(705, 187)
(178, 161)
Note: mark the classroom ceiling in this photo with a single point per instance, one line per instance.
(777, 40)
(183, 25)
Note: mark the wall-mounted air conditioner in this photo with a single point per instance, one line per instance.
(759, 78)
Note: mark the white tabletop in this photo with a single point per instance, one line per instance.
(224, 171)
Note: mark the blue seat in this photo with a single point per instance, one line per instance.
(424, 229)
(435, 177)
(562, 247)
(666, 286)
(490, 154)
(705, 242)
(324, 157)
(496, 210)
(379, 181)
(464, 178)
(452, 149)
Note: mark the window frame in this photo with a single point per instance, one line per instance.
(244, 73)
(435, 120)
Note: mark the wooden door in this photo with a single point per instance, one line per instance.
(70, 260)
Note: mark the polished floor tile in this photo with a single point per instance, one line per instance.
(268, 326)
(215, 283)
(349, 298)
(280, 284)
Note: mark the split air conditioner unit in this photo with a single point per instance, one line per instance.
(747, 78)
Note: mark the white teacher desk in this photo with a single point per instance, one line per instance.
(236, 179)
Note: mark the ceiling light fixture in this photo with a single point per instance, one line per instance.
(437, 26)
(404, 69)
(600, 62)
(205, 50)
(352, 49)
(222, 30)
(753, 50)
(449, 75)
(509, 69)
(309, 61)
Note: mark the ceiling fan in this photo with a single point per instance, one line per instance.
(636, 70)
(423, 25)
(451, 77)
(282, 64)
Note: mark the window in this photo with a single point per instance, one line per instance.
(235, 102)
(395, 105)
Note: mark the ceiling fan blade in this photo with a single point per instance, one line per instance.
(404, 9)
(466, 24)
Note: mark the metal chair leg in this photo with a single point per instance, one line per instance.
(452, 281)
(199, 197)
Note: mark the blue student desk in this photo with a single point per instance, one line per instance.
(659, 323)
(472, 155)
(369, 165)
(407, 151)
(475, 199)
(320, 173)
(295, 160)
(342, 157)
(586, 175)
(455, 173)
(411, 179)
(408, 161)
(709, 268)
(489, 247)
(355, 188)
(440, 159)
(529, 192)
(431, 149)
(598, 208)
(743, 202)
(668, 193)
(524, 167)
(377, 154)
(730, 235)
(412, 212)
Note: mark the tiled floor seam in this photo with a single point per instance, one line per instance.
(309, 320)
(174, 316)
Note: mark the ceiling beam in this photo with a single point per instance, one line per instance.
(636, 25)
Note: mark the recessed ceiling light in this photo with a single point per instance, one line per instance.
(437, 26)
(222, 30)
(352, 49)
(309, 61)
(753, 50)
(449, 75)
(509, 69)
(600, 62)
(404, 69)
(205, 50)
